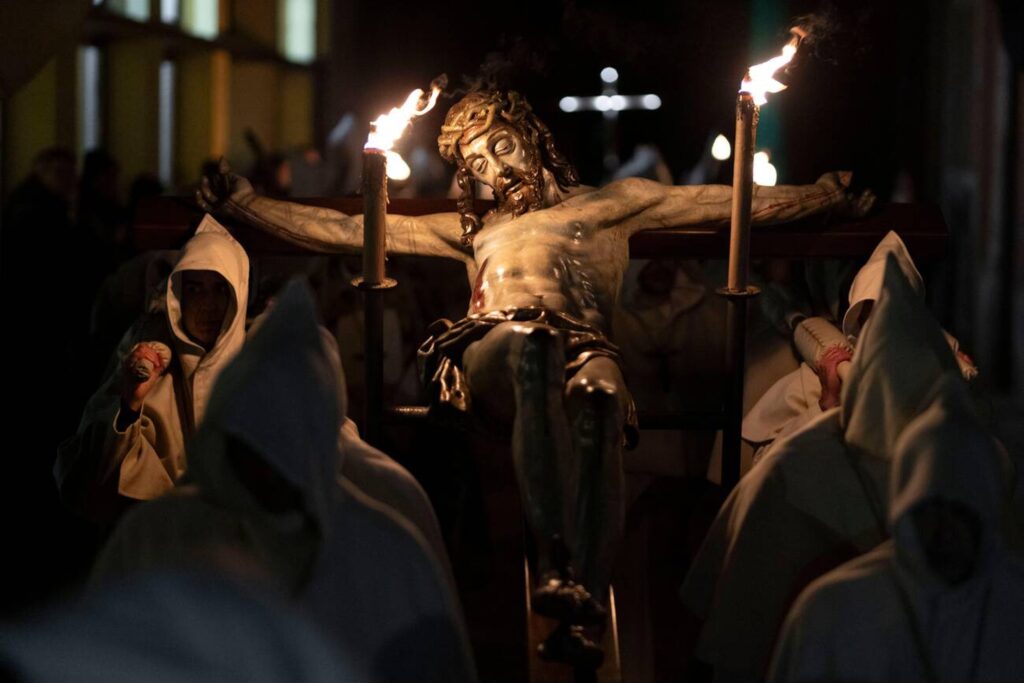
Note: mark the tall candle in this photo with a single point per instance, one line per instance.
(375, 201)
(742, 191)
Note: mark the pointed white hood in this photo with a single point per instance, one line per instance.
(278, 399)
(867, 284)
(212, 248)
(886, 616)
(901, 354)
(945, 454)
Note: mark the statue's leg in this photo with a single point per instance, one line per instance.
(597, 403)
(516, 373)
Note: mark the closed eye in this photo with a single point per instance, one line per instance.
(504, 146)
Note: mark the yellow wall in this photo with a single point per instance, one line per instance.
(131, 104)
(296, 109)
(204, 85)
(216, 101)
(255, 104)
(257, 19)
(30, 124)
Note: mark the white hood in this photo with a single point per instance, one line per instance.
(944, 453)
(278, 399)
(867, 284)
(901, 354)
(212, 248)
(886, 616)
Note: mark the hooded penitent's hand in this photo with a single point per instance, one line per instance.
(142, 367)
(828, 373)
(215, 190)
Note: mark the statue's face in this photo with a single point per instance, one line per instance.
(509, 164)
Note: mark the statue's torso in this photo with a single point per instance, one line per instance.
(553, 257)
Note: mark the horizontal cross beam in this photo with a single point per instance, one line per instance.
(167, 222)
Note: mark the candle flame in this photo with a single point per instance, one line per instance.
(765, 172)
(397, 168)
(760, 78)
(386, 130)
(720, 148)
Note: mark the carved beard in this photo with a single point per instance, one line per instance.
(527, 191)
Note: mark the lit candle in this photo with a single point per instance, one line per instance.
(758, 82)
(375, 203)
(747, 113)
(384, 132)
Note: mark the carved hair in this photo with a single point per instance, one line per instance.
(473, 116)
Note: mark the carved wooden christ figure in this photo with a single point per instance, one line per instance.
(545, 267)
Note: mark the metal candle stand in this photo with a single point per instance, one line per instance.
(373, 284)
(738, 292)
(373, 344)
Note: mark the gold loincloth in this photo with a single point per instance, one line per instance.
(440, 356)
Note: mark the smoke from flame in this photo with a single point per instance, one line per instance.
(760, 78)
(386, 130)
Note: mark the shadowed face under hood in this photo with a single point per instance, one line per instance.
(945, 457)
(211, 249)
(276, 402)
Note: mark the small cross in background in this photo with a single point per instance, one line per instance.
(610, 103)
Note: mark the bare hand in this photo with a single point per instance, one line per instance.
(142, 367)
(859, 205)
(214, 191)
(856, 204)
(827, 371)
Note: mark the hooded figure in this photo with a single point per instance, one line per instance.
(867, 284)
(794, 400)
(381, 478)
(266, 498)
(141, 455)
(378, 475)
(170, 627)
(942, 600)
(818, 498)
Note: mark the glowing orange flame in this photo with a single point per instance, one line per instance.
(760, 78)
(386, 130)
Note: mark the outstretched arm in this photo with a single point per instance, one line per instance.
(326, 230)
(638, 204)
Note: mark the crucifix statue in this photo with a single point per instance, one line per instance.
(532, 353)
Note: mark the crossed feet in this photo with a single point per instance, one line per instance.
(581, 618)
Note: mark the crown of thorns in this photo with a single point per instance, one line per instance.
(474, 114)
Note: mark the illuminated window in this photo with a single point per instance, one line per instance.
(88, 98)
(170, 11)
(165, 122)
(133, 9)
(201, 17)
(297, 29)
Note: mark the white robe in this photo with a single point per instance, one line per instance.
(102, 465)
(793, 400)
(378, 475)
(365, 574)
(170, 627)
(818, 499)
(857, 623)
